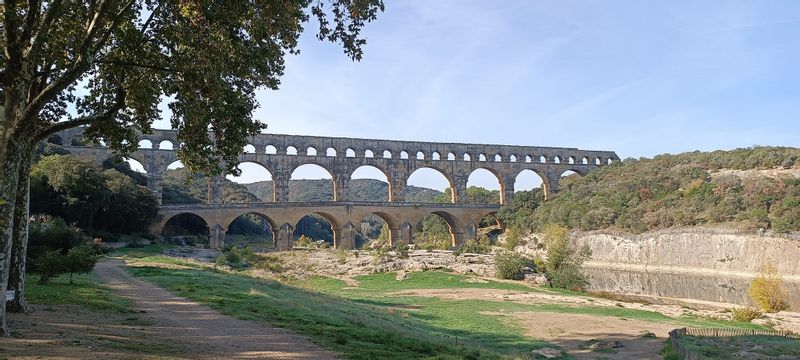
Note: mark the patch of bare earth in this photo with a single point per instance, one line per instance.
(73, 332)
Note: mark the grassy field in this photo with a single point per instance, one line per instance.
(756, 346)
(370, 321)
(86, 291)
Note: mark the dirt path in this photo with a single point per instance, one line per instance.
(206, 333)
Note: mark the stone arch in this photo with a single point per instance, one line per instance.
(451, 156)
(467, 157)
(322, 172)
(420, 155)
(350, 153)
(334, 224)
(185, 224)
(481, 157)
(135, 165)
(598, 161)
(512, 158)
(369, 154)
(585, 160)
(271, 150)
(330, 152)
(571, 160)
(249, 149)
(528, 159)
(369, 172)
(498, 158)
(291, 150)
(542, 159)
(557, 159)
(427, 168)
(166, 145)
(529, 179)
(273, 228)
(260, 168)
(435, 156)
(368, 232)
(311, 151)
(483, 174)
(450, 220)
(404, 154)
(387, 154)
(143, 144)
(610, 161)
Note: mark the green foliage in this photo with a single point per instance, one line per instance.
(48, 265)
(380, 255)
(84, 291)
(767, 290)
(510, 265)
(85, 194)
(563, 266)
(78, 260)
(401, 249)
(241, 258)
(670, 190)
(433, 233)
(746, 314)
(341, 256)
(480, 246)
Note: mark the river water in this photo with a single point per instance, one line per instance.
(706, 287)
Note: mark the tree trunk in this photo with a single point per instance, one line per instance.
(10, 158)
(19, 243)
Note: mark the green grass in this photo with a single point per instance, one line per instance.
(86, 291)
(140, 252)
(396, 328)
(385, 282)
(726, 347)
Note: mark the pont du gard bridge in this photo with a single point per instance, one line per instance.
(282, 154)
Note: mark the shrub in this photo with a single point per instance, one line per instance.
(767, 290)
(341, 256)
(745, 314)
(79, 260)
(54, 234)
(510, 265)
(380, 255)
(401, 249)
(563, 266)
(480, 246)
(49, 265)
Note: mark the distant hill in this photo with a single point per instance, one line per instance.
(748, 188)
(322, 190)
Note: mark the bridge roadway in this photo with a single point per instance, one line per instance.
(401, 218)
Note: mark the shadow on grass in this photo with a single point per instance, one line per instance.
(358, 328)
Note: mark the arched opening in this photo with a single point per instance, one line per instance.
(528, 159)
(498, 158)
(56, 139)
(512, 158)
(256, 180)
(481, 157)
(420, 155)
(451, 156)
(435, 156)
(403, 155)
(350, 153)
(597, 161)
(571, 160)
(557, 159)
(420, 183)
(187, 225)
(145, 144)
(311, 182)
(528, 180)
(175, 165)
(483, 187)
(373, 232)
(314, 231)
(135, 165)
(330, 152)
(291, 150)
(434, 232)
(252, 229)
(467, 157)
(369, 154)
(585, 160)
(311, 151)
(271, 149)
(542, 159)
(165, 145)
(567, 180)
(249, 149)
(610, 161)
(387, 154)
(368, 183)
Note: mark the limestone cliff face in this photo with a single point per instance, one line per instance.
(695, 249)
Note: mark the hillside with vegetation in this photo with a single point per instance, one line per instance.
(749, 188)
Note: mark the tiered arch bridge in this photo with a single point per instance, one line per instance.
(282, 154)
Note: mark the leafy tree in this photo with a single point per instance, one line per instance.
(510, 265)
(563, 266)
(79, 260)
(767, 290)
(208, 57)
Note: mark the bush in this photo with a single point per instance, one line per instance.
(54, 234)
(746, 314)
(48, 265)
(564, 264)
(767, 290)
(244, 258)
(510, 265)
(341, 256)
(480, 246)
(78, 260)
(380, 255)
(401, 249)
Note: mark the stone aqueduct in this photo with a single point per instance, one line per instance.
(282, 154)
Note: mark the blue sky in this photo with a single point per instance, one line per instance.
(637, 77)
